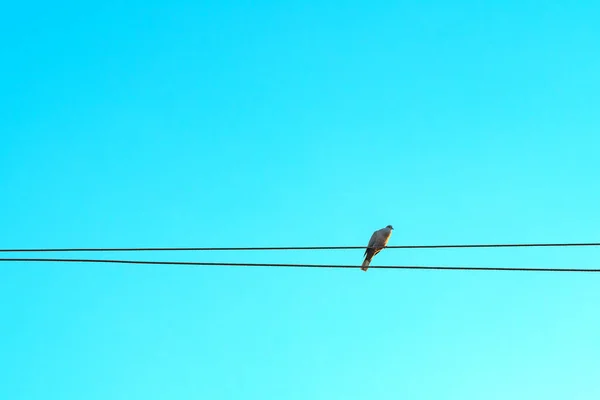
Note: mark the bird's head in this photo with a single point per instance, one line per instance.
(390, 227)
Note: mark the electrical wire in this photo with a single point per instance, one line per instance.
(435, 246)
(223, 264)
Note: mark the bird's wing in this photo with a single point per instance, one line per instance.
(373, 239)
(371, 242)
(382, 237)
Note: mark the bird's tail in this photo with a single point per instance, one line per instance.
(365, 264)
(369, 253)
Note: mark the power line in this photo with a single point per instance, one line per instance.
(435, 246)
(222, 264)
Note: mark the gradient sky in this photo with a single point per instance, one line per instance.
(297, 123)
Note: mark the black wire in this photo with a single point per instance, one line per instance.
(222, 264)
(435, 246)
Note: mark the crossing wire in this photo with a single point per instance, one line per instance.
(223, 264)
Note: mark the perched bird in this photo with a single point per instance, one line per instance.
(378, 241)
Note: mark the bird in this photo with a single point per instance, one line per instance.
(378, 241)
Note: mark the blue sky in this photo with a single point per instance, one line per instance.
(298, 123)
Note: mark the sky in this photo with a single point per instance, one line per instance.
(300, 123)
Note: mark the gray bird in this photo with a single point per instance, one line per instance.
(378, 241)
